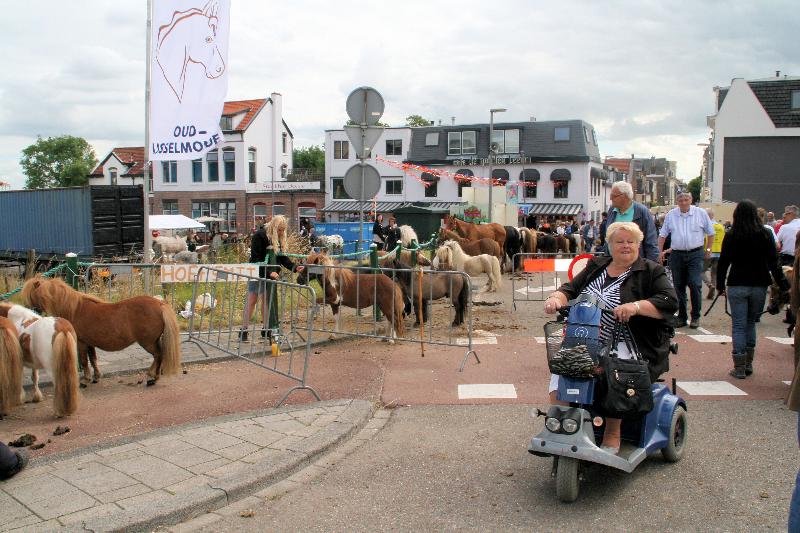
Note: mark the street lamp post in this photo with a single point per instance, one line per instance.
(491, 155)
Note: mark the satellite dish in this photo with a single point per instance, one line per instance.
(494, 147)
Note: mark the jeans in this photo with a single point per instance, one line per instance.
(794, 505)
(687, 270)
(746, 306)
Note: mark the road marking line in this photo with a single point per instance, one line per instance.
(782, 340)
(479, 336)
(486, 390)
(710, 388)
(787, 383)
(704, 330)
(540, 340)
(710, 338)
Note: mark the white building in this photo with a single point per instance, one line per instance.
(122, 166)
(755, 142)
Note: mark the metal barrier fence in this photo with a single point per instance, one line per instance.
(541, 274)
(271, 339)
(352, 288)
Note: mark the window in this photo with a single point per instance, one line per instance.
(586, 134)
(594, 137)
(394, 186)
(464, 182)
(278, 208)
(169, 171)
(432, 139)
(213, 166)
(284, 141)
(226, 123)
(112, 173)
(560, 189)
(431, 185)
(795, 99)
(337, 186)
(251, 165)
(224, 209)
(169, 207)
(259, 214)
(229, 163)
(341, 149)
(394, 147)
(461, 142)
(197, 170)
(507, 141)
(561, 134)
(530, 178)
(500, 176)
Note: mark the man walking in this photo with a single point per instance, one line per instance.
(589, 234)
(710, 267)
(692, 236)
(626, 210)
(787, 235)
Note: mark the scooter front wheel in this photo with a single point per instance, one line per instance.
(567, 483)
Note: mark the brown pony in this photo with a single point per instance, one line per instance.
(11, 393)
(473, 248)
(112, 326)
(474, 232)
(356, 290)
(432, 285)
(405, 257)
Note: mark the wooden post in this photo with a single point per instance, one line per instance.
(30, 264)
(72, 270)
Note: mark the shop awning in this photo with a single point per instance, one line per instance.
(560, 174)
(352, 206)
(529, 174)
(550, 209)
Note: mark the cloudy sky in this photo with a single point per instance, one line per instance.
(641, 71)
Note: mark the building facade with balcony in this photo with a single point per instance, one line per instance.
(755, 142)
(247, 177)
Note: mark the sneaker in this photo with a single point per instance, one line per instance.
(243, 335)
(681, 323)
(695, 323)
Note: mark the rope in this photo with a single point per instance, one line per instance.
(47, 274)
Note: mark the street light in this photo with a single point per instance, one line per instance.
(491, 155)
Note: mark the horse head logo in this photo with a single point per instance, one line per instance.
(189, 38)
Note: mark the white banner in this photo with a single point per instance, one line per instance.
(189, 77)
(188, 273)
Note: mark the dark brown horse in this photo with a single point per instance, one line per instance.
(431, 285)
(356, 290)
(475, 232)
(112, 326)
(473, 248)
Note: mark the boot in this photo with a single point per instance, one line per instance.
(750, 352)
(739, 362)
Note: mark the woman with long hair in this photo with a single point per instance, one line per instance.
(749, 252)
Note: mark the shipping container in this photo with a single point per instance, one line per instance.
(98, 221)
(349, 233)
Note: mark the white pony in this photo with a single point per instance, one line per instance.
(48, 343)
(164, 247)
(333, 243)
(11, 393)
(407, 234)
(452, 257)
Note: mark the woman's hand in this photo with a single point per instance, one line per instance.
(274, 275)
(624, 312)
(552, 304)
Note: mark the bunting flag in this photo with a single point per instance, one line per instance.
(189, 77)
(410, 169)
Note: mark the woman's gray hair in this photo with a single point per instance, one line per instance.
(624, 187)
(630, 227)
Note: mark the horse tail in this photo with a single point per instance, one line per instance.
(10, 370)
(170, 343)
(66, 385)
(397, 308)
(463, 297)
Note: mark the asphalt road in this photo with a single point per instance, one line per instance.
(467, 468)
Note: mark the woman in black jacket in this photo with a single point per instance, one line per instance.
(378, 232)
(749, 251)
(638, 291)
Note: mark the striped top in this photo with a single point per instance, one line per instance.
(607, 290)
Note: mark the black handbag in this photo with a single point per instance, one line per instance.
(627, 381)
(572, 362)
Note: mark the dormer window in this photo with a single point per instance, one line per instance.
(112, 173)
(226, 123)
(796, 100)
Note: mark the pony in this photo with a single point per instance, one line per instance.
(164, 247)
(473, 248)
(407, 235)
(450, 253)
(180, 43)
(333, 243)
(111, 326)
(493, 230)
(513, 246)
(385, 257)
(546, 243)
(433, 286)
(11, 393)
(529, 240)
(48, 343)
(356, 290)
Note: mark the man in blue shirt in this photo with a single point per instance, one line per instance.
(692, 236)
(626, 210)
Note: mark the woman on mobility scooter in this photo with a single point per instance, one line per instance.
(628, 289)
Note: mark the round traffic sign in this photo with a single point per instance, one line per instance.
(359, 189)
(365, 106)
(578, 264)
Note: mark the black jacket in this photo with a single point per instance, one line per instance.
(647, 281)
(258, 254)
(751, 262)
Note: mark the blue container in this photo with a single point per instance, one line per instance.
(349, 233)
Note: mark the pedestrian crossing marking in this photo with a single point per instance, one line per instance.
(540, 340)
(711, 338)
(710, 388)
(477, 391)
(479, 336)
(787, 383)
(704, 331)
(782, 340)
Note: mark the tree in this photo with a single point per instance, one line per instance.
(694, 187)
(63, 161)
(416, 121)
(352, 122)
(312, 157)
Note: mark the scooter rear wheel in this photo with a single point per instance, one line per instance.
(678, 432)
(567, 483)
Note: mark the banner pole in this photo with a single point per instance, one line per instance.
(148, 238)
